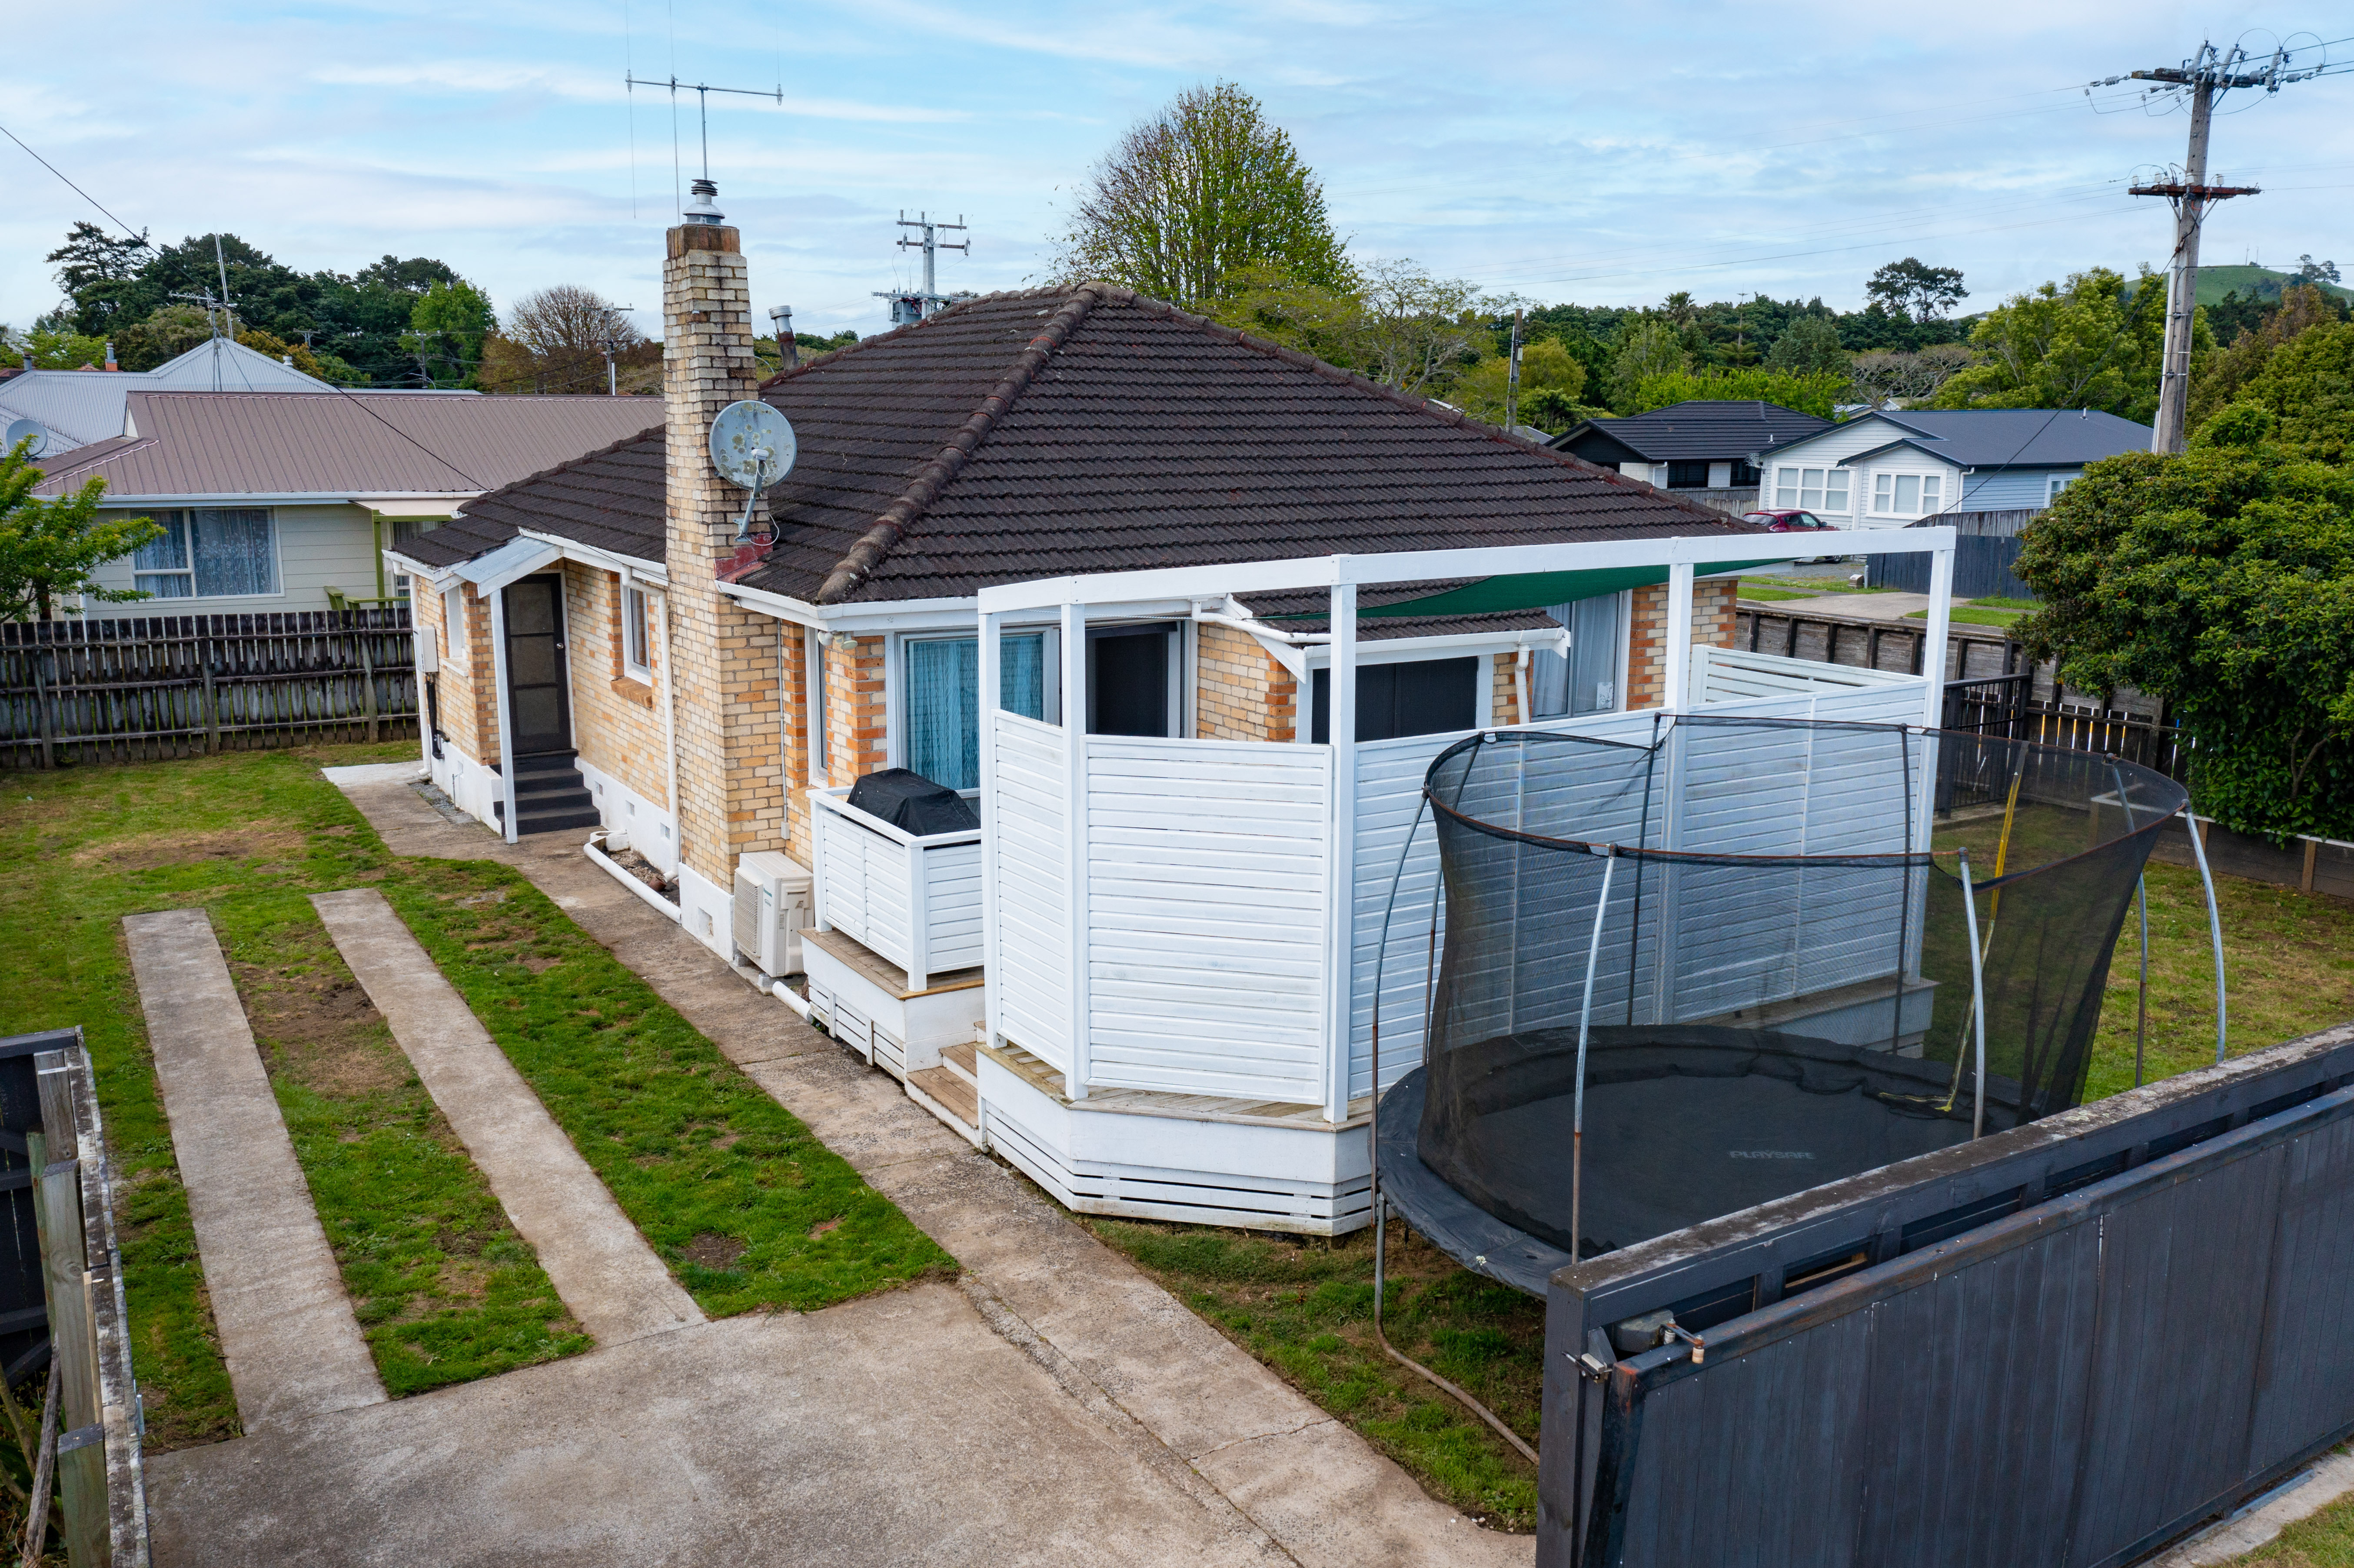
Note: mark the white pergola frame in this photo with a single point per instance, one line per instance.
(1342, 575)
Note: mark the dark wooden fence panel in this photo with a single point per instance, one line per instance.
(139, 689)
(1981, 569)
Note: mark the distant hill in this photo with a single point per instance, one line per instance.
(2253, 282)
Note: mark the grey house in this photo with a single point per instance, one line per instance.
(1699, 445)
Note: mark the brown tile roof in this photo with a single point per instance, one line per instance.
(610, 499)
(345, 444)
(1088, 430)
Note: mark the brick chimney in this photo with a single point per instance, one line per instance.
(728, 662)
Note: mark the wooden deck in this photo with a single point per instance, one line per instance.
(1048, 1080)
(883, 972)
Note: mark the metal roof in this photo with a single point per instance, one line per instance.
(1701, 430)
(79, 407)
(355, 444)
(1984, 438)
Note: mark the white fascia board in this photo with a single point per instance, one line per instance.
(899, 615)
(1420, 565)
(1399, 650)
(515, 559)
(654, 572)
(434, 574)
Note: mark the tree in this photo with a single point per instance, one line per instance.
(1809, 346)
(555, 340)
(1394, 322)
(2089, 345)
(165, 335)
(1646, 348)
(2216, 380)
(2222, 580)
(98, 275)
(2308, 386)
(54, 350)
(1202, 190)
(446, 329)
(1550, 379)
(50, 544)
(2308, 271)
(1912, 288)
(1882, 376)
(1817, 394)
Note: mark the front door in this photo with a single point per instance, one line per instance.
(538, 699)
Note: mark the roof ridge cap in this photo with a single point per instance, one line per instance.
(937, 474)
(829, 355)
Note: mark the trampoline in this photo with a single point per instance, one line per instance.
(1683, 973)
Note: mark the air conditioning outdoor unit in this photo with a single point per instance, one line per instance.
(772, 904)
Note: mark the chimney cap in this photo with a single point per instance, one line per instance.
(703, 208)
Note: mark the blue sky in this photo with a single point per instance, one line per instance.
(1605, 154)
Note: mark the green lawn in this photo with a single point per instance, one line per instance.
(751, 1211)
(2325, 1540)
(1770, 596)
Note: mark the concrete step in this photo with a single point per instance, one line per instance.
(529, 823)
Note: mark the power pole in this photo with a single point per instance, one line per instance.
(609, 341)
(1512, 381)
(2204, 77)
(928, 301)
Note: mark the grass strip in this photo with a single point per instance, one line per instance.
(1304, 1307)
(1974, 614)
(444, 1288)
(746, 1207)
(2321, 1539)
(1770, 596)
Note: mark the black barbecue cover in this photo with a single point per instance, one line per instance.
(912, 803)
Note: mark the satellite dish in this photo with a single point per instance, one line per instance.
(752, 445)
(20, 429)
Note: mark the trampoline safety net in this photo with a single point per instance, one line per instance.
(1760, 928)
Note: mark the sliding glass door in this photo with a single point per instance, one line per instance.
(939, 707)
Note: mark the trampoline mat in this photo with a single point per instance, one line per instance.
(1681, 1126)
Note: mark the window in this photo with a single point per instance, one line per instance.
(2051, 491)
(815, 655)
(1745, 474)
(1907, 494)
(1423, 696)
(1683, 475)
(209, 553)
(636, 659)
(1585, 680)
(453, 625)
(1815, 489)
(941, 708)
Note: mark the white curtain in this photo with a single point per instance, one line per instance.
(234, 551)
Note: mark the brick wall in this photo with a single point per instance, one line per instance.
(617, 721)
(858, 737)
(1646, 668)
(1240, 693)
(729, 665)
(1504, 684)
(465, 700)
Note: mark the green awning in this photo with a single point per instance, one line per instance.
(1536, 590)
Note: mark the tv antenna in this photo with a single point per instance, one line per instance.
(928, 300)
(2203, 77)
(703, 91)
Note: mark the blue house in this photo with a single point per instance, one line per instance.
(1888, 470)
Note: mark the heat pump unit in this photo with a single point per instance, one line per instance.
(772, 904)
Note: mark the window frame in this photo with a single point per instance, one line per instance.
(1798, 489)
(896, 695)
(637, 627)
(182, 521)
(453, 627)
(1929, 491)
(2054, 483)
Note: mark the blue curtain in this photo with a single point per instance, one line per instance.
(942, 705)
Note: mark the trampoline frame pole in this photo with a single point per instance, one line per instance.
(1977, 994)
(2214, 923)
(1585, 1020)
(2141, 997)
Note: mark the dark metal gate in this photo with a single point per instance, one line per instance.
(2065, 1345)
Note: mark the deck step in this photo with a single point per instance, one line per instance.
(949, 1098)
(963, 1061)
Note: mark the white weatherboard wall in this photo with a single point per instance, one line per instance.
(1032, 916)
(1206, 866)
(1831, 447)
(319, 547)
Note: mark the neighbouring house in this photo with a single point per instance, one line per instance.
(62, 409)
(1891, 469)
(1712, 445)
(273, 500)
(1225, 653)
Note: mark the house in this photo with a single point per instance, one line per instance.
(1712, 444)
(69, 409)
(270, 500)
(1259, 638)
(1890, 469)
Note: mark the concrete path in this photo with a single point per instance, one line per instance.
(894, 1430)
(1862, 606)
(594, 1256)
(1198, 1410)
(2303, 1495)
(293, 1350)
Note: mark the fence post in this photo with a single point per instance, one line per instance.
(212, 695)
(367, 678)
(65, 1270)
(41, 706)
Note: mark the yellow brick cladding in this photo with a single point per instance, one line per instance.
(465, 700)
(617, 720)
(1240, 692)
(1646, 666)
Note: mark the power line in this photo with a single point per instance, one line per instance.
(77, 190)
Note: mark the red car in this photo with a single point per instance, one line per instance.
(1787, 521)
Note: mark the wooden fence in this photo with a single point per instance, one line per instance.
(138, 689)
